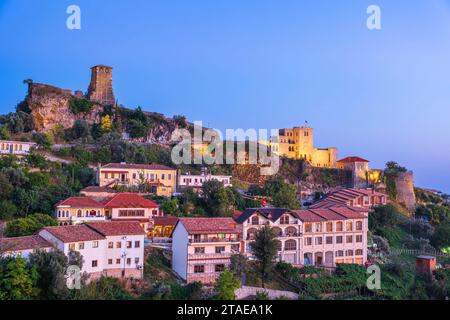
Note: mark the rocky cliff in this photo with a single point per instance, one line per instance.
(50, 106)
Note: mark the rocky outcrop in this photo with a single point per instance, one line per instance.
(49, 107)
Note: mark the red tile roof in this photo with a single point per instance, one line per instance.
(74, 233)
(129, 200)
(117, 228)
(209, 225)
(236, 214)
(23, 243)
(331, 214)
(353, 159)
(165, 221)
(342, 197)
(136, 166)
(84, 202)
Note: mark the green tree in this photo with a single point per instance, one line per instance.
(441, 236)
(4, 133)
(7, 210)
(283, 194)
(384, 216)
(218, 200)
(239, 265)
(170, 206)
(227, 283)
(264, 248)
(29, 225)
(137, 129)
(17, 279)
(105, 288)
(52, 267)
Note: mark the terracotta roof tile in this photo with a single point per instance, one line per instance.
(117, 228)
(209, 225)
(80, 202)
(136, 166)
(129, 200)
(353, 159)
(165, 221)
(74, 233)
(24, 243)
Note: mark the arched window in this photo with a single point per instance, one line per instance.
(349, 226)
(339, 226)
(79, 213)
(251, 233)
(359, 225)
(277, 231)
(290, 245)
(291, 232)
(329, 227)
(59, 213)
(255, 220)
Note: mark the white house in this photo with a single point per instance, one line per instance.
(23, 246)
(202, 247)
(109, 248)
(19, 148)
(196, 181)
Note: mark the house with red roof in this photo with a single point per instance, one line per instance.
(202, 247)
(23, 246)
(356, 198)
(359, 169)
(160, 179)
(120, 207)
(108, 248)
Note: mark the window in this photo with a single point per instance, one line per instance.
(219, 267)
(110, 245)
(329, 240)
(309, 241)
(349, 226)
(359, 225)
(137, 244)
(72, 246)
(136, 260)
(128, 261)
(339, 226)
(284, 219)
(199, 269)
(220, 249)
(95, 244)
(290, 245)
(109, 261)
(255, 220)
(349, 253)
(359, 252)
(118, 245)
(235, 248)
(199, 250)
(163, 176)
(359, 238)
(339, 240)
(117, 261)
(318, 227)
(349, 239)
(79, 213)
(129, 244)
(329, 226)
(169, 176)
(308, 227)
(318, 241)
(339, 253)
(81, 246)
(134, 175)
(131, 213)
(94, 263)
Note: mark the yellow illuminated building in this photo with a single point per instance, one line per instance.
(298, 143)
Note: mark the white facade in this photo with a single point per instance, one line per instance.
(196, 181)
(19, 148)
(180, 242)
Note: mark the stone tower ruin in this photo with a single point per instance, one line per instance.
(100, 89)
(405, 190)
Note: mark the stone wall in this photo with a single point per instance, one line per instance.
(246, 292)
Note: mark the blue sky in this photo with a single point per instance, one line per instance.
(383, 95)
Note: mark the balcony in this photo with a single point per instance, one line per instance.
(214, 240)
(201, 256)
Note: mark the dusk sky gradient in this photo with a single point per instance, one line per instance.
(382, 95)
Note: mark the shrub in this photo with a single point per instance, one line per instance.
(80, 105)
